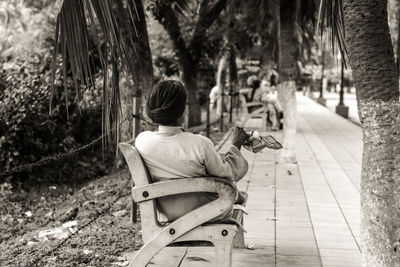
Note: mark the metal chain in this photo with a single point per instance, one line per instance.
(104, 211)
(61, 156)
(48, 159)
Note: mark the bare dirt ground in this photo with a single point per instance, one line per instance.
(100, 208)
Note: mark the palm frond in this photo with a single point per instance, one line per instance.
(71, 31)
(99, 21)
(331, 19)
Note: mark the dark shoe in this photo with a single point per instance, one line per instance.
(241, 199)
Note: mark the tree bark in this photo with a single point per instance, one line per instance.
(380, 184)
(371, 58)
(287, 90)
(142, 82)
(398, 38)
(221, 84)
(287, 96)
(371, 51)
(189, 78)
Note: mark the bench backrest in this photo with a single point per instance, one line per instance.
(141, 176)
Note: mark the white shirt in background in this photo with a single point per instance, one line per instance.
(214, 96)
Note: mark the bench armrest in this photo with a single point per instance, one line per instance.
(184, 185)
(252, 104)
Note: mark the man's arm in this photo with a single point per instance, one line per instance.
(231, 165)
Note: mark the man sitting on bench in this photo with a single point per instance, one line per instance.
(264, 94)
(171, 152)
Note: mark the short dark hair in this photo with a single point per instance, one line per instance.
(167, 102)
(255, 84)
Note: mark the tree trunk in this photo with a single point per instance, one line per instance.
(221, 84)
(375, 77)
(142, 82)
(287, 90)
(398, 37)
(193, 112)
(190, 53)
(287, 96)
(380, 184)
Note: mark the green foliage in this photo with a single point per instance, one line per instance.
(23, 30)
(28, 132)
(8, 208)
(164, 59)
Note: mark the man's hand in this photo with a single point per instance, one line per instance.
(239, 136)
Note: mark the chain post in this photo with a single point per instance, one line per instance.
(136, 130)
(231, 104)
(221, 118)
(237, 101)
(208, 117)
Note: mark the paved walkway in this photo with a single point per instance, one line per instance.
(332, 100)
(304, 214)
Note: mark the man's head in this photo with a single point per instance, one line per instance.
(166, 103)
(253, 81)
(250, 80)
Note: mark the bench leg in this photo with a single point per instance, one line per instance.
(141, 259)
(238, 242)
(264, 123)
(223, 252)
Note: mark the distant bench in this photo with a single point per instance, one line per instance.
(257, 109)
(190, 228)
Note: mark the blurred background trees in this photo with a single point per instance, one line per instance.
(187, 24)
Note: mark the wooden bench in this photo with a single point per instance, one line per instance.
(256, 109)
(195, 225)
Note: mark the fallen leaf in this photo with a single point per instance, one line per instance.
(120, 213)
(86, 251)
(251, 246)
(28, 214)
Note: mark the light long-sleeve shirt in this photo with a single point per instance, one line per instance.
(172, 153)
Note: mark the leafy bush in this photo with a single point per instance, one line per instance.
(28, 132)
(23, 30)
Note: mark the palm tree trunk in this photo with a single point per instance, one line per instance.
(142, 81)
(189, 78)
(287, 90)
(221, 83)
(398, 37)
(372, 61)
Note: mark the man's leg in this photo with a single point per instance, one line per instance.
(273, 117)
(276, 104)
